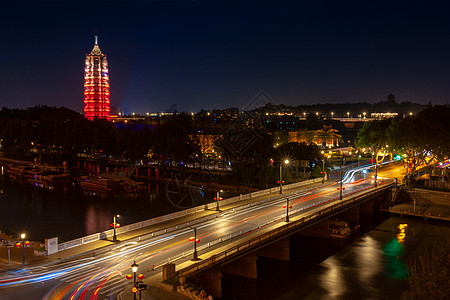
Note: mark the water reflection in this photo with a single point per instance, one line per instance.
(394, 251)
(70, 213)
(96, 219)
(368, 257)
(333, 280)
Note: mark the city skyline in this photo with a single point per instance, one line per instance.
(201, 55)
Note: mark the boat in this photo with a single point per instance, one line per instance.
(97, 183)
(339, 229)
(40, 177)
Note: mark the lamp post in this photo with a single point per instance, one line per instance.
(286, 162)
(114, 224)
(323, 170)
(218, 198)
(376, 171)
(134, 268)
(196, 241)
(340, 188)
(23, 247)
(287, 206)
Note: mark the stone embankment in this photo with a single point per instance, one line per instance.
(422, 203)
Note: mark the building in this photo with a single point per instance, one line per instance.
(96, 85)
(326, 137)
(381, 116)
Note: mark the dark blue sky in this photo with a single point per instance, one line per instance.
(218, 54)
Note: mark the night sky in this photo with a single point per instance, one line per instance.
(219, 54)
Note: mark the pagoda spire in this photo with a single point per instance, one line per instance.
(96, 39)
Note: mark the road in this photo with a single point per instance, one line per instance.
(103, 276)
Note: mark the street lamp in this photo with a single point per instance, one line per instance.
(287, 206)
(23, 247)
(348, 114)
(376, 171)
(340, 188)
(134, 268)
(218, 198)
(114, 226)
(323, 170)
(196, 241)
(332, 113)
(286, 162)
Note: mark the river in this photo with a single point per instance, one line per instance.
(70, 213)
(371, 266)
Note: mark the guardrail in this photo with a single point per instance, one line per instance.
(138, 225)
(276, 232)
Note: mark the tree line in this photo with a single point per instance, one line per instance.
(419, 138)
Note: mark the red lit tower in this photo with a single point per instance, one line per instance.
(96, 85)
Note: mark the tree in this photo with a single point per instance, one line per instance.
(174, 141)
(422, 138)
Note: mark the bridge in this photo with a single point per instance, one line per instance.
(230, 239)
(240, 257)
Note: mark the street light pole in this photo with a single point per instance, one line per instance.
(218, 199)
(286, 161)
(376, 170)
(281, 188)
(23, 247)
(195, 244)
(287, 209)
(323, 170)
(134, 267)
(114, 227)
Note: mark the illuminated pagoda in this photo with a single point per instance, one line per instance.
(96, 85)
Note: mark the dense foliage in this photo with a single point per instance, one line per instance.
(420, 137)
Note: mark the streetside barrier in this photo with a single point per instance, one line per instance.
(217, 258)
(108, 233)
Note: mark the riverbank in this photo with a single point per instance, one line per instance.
(427, 204)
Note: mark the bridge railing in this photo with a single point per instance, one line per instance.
(138, 225)
(276, 232)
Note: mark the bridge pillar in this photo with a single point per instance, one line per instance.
(244, 267)
(321, 230)
(168, 271)
(366, 208)
(211, 280)
(351, 215)
(279, 250)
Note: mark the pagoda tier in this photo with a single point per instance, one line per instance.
(96, 85)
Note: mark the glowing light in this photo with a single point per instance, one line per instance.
(96, 86)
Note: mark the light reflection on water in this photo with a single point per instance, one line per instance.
(333, 280)
(368, 259)
(70, 213)
(373, 266)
